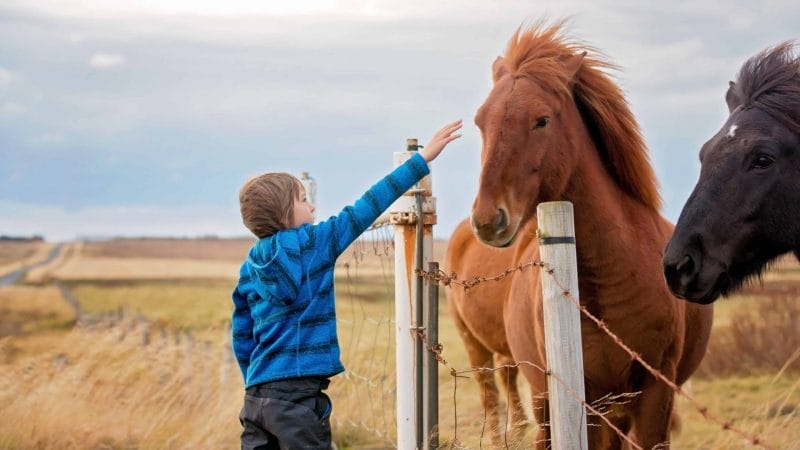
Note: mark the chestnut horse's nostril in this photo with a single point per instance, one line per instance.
(501, 222)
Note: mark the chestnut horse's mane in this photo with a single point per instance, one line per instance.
(538, 52)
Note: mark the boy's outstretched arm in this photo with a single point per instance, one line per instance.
(342, 229)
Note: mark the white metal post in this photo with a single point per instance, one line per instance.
(403, 214)
(562, 326)
(310, 186)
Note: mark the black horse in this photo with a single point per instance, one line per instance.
(745, 209)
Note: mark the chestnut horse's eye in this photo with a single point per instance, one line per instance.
(762, 161)
(541, 123)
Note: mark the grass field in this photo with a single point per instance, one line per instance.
(168, 380)
(12, 251)
(15, 254)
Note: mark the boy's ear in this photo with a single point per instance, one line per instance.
(499, 69)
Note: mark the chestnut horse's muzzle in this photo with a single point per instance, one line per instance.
(495, 231)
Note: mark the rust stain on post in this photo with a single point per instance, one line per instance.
(409, 244)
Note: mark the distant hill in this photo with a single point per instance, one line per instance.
(35, 238)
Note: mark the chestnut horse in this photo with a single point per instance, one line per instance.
(556, 127)
(745, 209)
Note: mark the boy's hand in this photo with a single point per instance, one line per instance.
(440, 140)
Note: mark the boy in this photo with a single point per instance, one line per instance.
(284, 323)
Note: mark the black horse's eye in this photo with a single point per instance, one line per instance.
(762, 161)
(541, 123)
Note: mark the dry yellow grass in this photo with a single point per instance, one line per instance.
(15, 255)
(190, 305)
(13, 251)
(32, 319)
(218, 249)
(764, 406)
(29, 309)
(100, 388)
(80, 387)
(44, 273)
(73, 390)
(83, 267)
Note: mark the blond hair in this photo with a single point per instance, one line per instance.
(267, 203)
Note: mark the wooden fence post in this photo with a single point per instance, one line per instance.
(562, 326)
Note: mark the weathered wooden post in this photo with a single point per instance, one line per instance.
(562, 326)
(404, 214)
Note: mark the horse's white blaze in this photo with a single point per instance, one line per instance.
(732, 131)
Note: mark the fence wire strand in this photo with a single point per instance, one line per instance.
(451, 279)
(378, 243)
(367, 384)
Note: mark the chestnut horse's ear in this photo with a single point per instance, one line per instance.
(573, 63)
(732, 98)
(499, 68)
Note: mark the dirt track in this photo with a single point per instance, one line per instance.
(16, 275)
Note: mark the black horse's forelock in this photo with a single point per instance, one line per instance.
(770, 81)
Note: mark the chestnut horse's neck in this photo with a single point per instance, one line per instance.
(617, 235)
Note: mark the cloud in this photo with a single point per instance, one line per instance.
(49, 138)
(105, 61)
(319, 85)
(57, 223)
(6, 77)
(10, 110)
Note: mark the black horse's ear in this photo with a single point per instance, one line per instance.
(499, 68)
(732, 98)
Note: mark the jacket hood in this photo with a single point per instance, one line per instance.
(275, 262)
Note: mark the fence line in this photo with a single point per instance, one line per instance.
(365, 393)
(437, 350)
(370, 379)
(447, 280)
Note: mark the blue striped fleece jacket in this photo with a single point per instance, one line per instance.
(284, 319)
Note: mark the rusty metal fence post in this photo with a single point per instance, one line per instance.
(414, 215)
(430, 421)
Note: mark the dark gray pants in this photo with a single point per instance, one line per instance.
(287, 414)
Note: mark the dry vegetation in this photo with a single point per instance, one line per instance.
(13, 251)
(100, 386)
(760, 338)
(214, 249)
(15, 254)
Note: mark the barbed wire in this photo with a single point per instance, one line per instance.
(381, 244)
(438, 348)
(448, 280)
(442, 277)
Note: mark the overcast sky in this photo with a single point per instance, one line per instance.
(144, 118)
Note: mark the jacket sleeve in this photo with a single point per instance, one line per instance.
(341, 230)
(242, 332)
